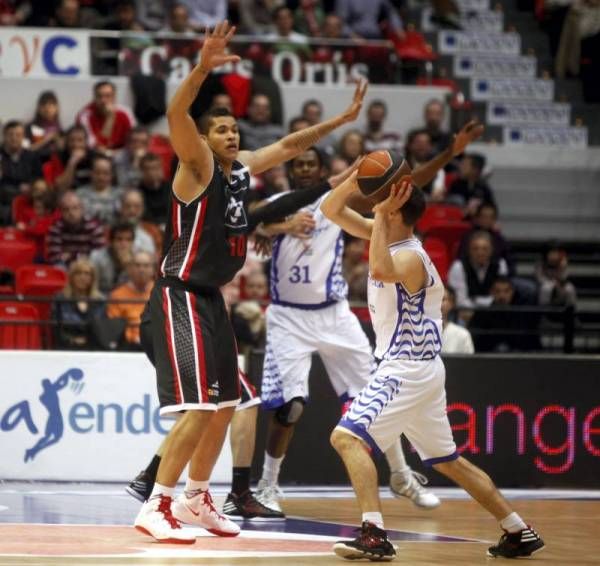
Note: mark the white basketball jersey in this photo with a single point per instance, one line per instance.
(308, 273)
(407, 326)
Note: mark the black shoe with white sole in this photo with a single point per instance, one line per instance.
(371, 544)
(515, 545)
(246, 506)
(141, 486)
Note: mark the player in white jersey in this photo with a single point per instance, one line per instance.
(309, 313)
(406, 394)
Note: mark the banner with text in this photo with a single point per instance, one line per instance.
(81, 417)
(37, 52)
(286, 62)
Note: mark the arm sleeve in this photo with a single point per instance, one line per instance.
(284, 206)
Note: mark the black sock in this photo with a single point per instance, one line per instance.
(152, 468)
(241, 480)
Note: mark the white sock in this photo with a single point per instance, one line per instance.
(159, 489)
(513, 523)
(193, 486)
(271, 468)
(373, 517)
(396, 460)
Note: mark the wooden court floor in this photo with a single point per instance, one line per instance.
(570, 528)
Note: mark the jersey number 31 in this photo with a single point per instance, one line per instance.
(300, 274)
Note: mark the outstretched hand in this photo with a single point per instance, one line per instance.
(469, 133)
(213, 53)
(352, 112)
(399, 195)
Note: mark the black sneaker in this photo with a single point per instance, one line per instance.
(371, 543)
(513, 545)
(141, 486)
(246, 506)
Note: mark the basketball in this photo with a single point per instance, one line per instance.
(378, 171)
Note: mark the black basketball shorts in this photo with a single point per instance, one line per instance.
(189, 339)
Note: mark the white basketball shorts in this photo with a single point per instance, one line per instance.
(404, 397)
(294, 334)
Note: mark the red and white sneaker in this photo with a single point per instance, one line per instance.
(155, 519)
(199, 510)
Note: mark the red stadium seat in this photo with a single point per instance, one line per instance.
(40, 280)
(450, 233)
(17, 330)
(437, 251)
(439, 214)
(15, 249)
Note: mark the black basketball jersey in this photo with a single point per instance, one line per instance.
(205, 240)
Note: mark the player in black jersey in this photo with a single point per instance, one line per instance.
(192, 338)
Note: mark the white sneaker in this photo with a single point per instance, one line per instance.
(155, 519)
(199, 510)
(413, 489)
(269, 495)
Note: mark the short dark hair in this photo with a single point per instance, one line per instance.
(293, 121)
(11, 124)
(101, 157)
(275, 13)
(414, 133)
(311, 102)
(137, 130)
(318, 153)
(148, 158)
(414, 207)
(378, 102)
(487, 205)
(477, 160)
(503, 279)
(102, 83)
(204, 122)
(119, 227)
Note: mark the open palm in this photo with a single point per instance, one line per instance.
(214, 48)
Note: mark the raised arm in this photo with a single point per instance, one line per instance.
(196, 158)
(336, 209)
(424, 174)
(288, 147)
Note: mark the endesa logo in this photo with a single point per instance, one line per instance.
(81, 417)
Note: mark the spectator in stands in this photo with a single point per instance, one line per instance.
(100, 198)
(555, 289)
(106, 122)
(472, 276)
(275, 180)
(309, 17)
(257, 130)
(18, 168)
(205, 13)
(44, 131)
(43, 216)
(14, 12)
(419, 150)
(333, 27)
(137, 290)
(502, 328)
(455, 338)
(222, 100)
(284, 36)
(76, 307)
(132, 212)
(248, 316)
(256, 287)
(111, 261)
(352, 145)
(433, 114)
(151, 13)
(376, 137)
(70, 14)
(179, 20)
(366, 20)
(312, 112)
(338, 164)
(297, 123)
(73, 235)
(486, 219)
(71, 168)
(470, 189)
(124, 18)
(155, 190)
(22, 209)
(127, 160)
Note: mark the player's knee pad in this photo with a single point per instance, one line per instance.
(290, 413)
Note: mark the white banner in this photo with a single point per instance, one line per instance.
(469, 21)
(451, 42)
(573, 136)
(500, 113)
(81, 417)
(522, 66)
(37, 52)
(512, 89)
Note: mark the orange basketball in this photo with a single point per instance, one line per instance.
(378, 171)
